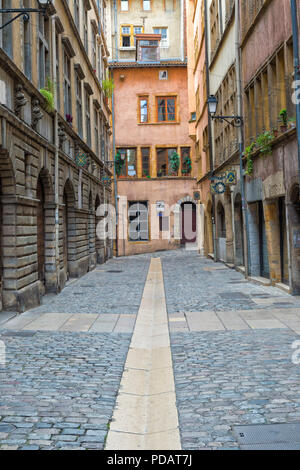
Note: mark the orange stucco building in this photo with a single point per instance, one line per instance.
(156, 175)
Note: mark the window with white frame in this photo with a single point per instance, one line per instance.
(164, 36)
(124, 5)
(138, 221)
(146, 5)
(137, 30)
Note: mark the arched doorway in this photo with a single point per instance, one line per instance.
(239, 231)
(209, 244)
(68, 215)
(188, 223)
(40, 195)
(92, 233)
(221, 232)
(97, 239)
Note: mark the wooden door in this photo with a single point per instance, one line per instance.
(188, 223)
(41, 232)
(65, 235)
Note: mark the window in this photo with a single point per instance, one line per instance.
(137, 30)
(27, 43)
(126, 36)
(148, 50)
(44, 65)
(86, 32)
(129, 167)
(166, 109)
(164, 36)
(146, 5)
(164, 162)
(124, 5)
(138, 221)
(57, 65)
(163, 75)
(94, 51)
(144, 109)
(67, 85)
(76, 13)
(6, 33)
(96, 131)
(87, 118)
(146, 162)
(186, 164)
(79, 104)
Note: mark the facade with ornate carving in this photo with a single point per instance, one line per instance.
(54, 145)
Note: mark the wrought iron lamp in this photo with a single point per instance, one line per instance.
(212, 102)
(43, 7)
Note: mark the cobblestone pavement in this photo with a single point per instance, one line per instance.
(231, 343)
(226, 378)
(113, 288)
(58, 390)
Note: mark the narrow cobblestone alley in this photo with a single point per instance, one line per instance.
(231, 343)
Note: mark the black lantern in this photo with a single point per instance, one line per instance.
(212, 103)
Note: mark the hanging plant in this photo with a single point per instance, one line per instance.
(188, 165)
(108, 87)
(175, 162)
(264, 142)
(48, 93)
(283, 117)
(119, 163)
(248, 154)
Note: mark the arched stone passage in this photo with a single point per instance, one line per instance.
(209, 245)
(221, 232)
(239, 232)
(69, 227)
(92, 233)
(8, 239)
(99, 243)
(293, 210)
(46, 232)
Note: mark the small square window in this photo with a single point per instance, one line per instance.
(163, 75)
(146, 5)
(124, 5)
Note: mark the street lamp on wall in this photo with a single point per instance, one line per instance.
(212, 103)
(43, 8)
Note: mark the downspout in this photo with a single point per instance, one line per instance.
(182, 28)
(56, 162)
(241, 138)
(211, 161)
(297, 73)
(116, 31)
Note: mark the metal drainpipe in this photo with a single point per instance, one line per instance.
(211, 161)
(116, 30)
(182, 29)
(297, 72)
(241, 137)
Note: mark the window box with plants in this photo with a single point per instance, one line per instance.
(108, 88)
(48, 93)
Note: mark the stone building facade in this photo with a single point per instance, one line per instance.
(54, 145)
(272, 183)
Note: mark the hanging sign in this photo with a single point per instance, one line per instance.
(81, 160)
(218, 188)
(231, 177)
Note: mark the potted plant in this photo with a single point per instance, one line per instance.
(248, 154)
(119, 163)
(108, 88)
(264, 142)
(174, 163)
(69, 119)
(48, 93)
(283, 117)
(275, 132)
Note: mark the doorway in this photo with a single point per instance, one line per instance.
(188, 223)
(41, 231)
(283, 241)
